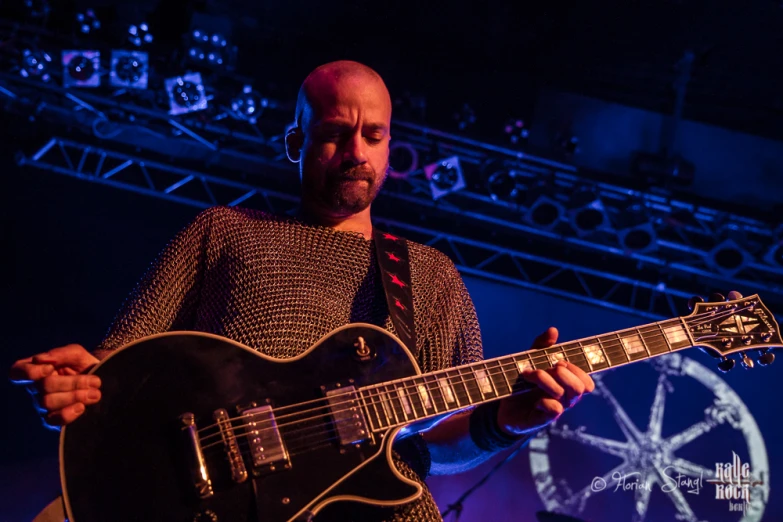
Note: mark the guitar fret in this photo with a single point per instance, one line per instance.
(498, 376)
(613, 355)
(677, 336)
(384, 407)
(414, 396)
(460, 387)
(554, 355)
(406, 406)
(594, 355)
(363, 398)
(633, 347)
(433, 387)
(392, 401)
(471, 385)
(575, 355)
(449, 397)
(667, 345)
(644, 343)
(483, 381)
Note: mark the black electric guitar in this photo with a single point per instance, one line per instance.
(195, 427)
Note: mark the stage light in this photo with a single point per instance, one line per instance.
(186, 93)
(728, 257)
(208, 42)
(129, 69)
(545, 212)
(403, 159)
(516, 132)
(248, 105)
(445, 177)
(587, 213)
(81, 68)
(635, 228)
(774, 256)
(465, 117)
(35, 64)
(37, 8)
(503, 183)
(139, 35)
(87, 21)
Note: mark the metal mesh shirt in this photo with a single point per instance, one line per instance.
(278, 285)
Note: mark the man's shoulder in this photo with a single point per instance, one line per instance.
(223, 216)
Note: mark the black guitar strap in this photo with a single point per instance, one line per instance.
(394, 263)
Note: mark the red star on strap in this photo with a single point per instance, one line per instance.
(395, 280)
(399, 305)
(389, 236)
(393, 257)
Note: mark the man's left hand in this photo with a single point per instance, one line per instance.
(556, 390)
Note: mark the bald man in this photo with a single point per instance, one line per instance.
(317, 271)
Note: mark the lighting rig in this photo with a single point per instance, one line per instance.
(209, 138)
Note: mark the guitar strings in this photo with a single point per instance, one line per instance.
(578, 350)
(534, 359)
(608, 349)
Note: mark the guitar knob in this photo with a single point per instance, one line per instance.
(734, 295)
(726, 364)
(747, 362)
(766, 358)
(716, 297)
(766, 336)
(206, 516)
(693, 301)
(746, 340)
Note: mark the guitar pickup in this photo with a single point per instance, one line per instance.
(263, 435)
(348, 416)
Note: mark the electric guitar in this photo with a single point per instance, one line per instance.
(195, 427)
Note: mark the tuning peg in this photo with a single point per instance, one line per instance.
(726, 364)
(734, 295)
(693, 301)
(716, 297)
(766, 358)
(746, 361)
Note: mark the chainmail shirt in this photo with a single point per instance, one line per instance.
(278, 285)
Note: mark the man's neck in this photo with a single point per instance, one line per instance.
(359, 222)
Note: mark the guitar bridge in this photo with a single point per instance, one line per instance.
(348, 417)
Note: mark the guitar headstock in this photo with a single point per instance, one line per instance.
(737, 325)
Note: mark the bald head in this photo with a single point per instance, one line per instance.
(320, 86)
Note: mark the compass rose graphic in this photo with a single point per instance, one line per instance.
(650, 457)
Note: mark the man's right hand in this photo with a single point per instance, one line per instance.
(55, 380)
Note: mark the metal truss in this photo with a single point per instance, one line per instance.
(499, 258)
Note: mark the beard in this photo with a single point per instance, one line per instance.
(352, 190)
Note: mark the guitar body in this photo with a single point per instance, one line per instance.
(125, 458)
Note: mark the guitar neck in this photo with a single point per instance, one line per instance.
(400, 402)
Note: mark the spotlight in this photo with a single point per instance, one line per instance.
(249, 105)
(87, 21)
(129, 69)
(545, 212)
(186, 93)
(37, 8)
(209, 42)
(465, 117)
(774, 256)
(727, 257)
(516, 132)
(587, 213)
(635, 229)
(81, 68)
(139, 35)
(403, 159)
(35, 64)
(503, 183)
(445, 177)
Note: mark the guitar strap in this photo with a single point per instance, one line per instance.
(394, 264)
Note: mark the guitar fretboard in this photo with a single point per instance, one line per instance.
(400, 402)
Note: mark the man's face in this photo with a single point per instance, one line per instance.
(345, 152)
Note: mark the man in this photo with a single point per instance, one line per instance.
(279, 284)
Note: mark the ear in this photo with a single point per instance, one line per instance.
(293, 144)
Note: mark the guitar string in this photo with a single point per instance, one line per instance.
(546, 357)
(578, 350)
(371, 397)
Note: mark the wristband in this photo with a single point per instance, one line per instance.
(485, 431)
